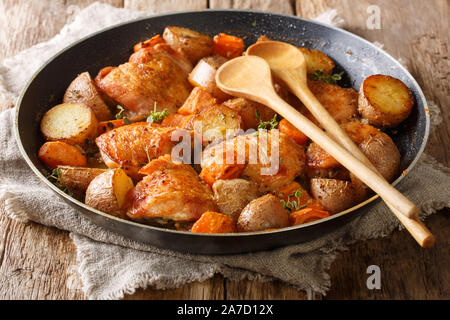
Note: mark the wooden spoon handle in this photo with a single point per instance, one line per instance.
(415, 227)
(358, 168)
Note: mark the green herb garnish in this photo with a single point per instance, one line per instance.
(264, 125)
(293, 205)
(55, 175)
(331, 79)
(254, 24)
(157, 117)
(120, 115)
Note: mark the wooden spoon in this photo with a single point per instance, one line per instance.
(250, 77)
(288, 64)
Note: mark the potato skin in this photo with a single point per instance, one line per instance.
(377, 146)
(193, 44)
(82, 90)
(383, 153)
(384, 101)
(77, 179)
(336, 195)
(233, 195)
(263, 213)
(100, 194)
(54, 127)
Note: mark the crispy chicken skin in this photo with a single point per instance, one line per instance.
(170, 192)
(341, 103)
(291, 161)
(131, 147)
(155, 75)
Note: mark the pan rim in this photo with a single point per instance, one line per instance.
(39, 174)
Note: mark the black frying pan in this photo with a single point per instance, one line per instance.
(113, 46)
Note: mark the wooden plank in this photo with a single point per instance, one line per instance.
(423, 44)
(157, 6)
(407, 271)
(276, 6)
(37, 262)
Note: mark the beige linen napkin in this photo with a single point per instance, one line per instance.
(111, 265)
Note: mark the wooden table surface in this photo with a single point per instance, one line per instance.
(38, 262)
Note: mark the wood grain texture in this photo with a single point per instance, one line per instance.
(156, 6)
(39, 262)
(277, 6)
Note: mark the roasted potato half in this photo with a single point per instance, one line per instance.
(192, 44)
(233, 195)
(73, 123)
(217, 123)
(317, 60)
(82, 90)
(77, 179)
(107, 192)
(337, 195)
(384, 101)
(377, 146)
(263, 213)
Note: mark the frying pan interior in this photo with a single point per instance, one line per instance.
(357, 57)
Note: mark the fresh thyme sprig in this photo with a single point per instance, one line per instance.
(157, 117)
(120, 115)
(263, 125)
(55, 175)
(332, 79)
(293, 205)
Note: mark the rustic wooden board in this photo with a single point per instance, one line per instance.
(39, 262)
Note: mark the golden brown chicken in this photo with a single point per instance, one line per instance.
(132, 147)
(154, 76)
(253, 159)
(341, 103)
(170, 192)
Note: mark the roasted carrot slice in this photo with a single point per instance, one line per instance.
(214, 222)
(216, 172)
(106, 126)
(292, 132)
(228, 46)
(306, 215)
(57, 153)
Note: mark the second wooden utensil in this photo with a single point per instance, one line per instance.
(288, 64)
(250, 77)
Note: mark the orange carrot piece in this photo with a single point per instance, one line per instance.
(214, 222)
(292, 132)
(106, 126)
(286, 193)
(148, 43)
(306, 215)
(216, 172)
(228, 46)
(56, 153)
